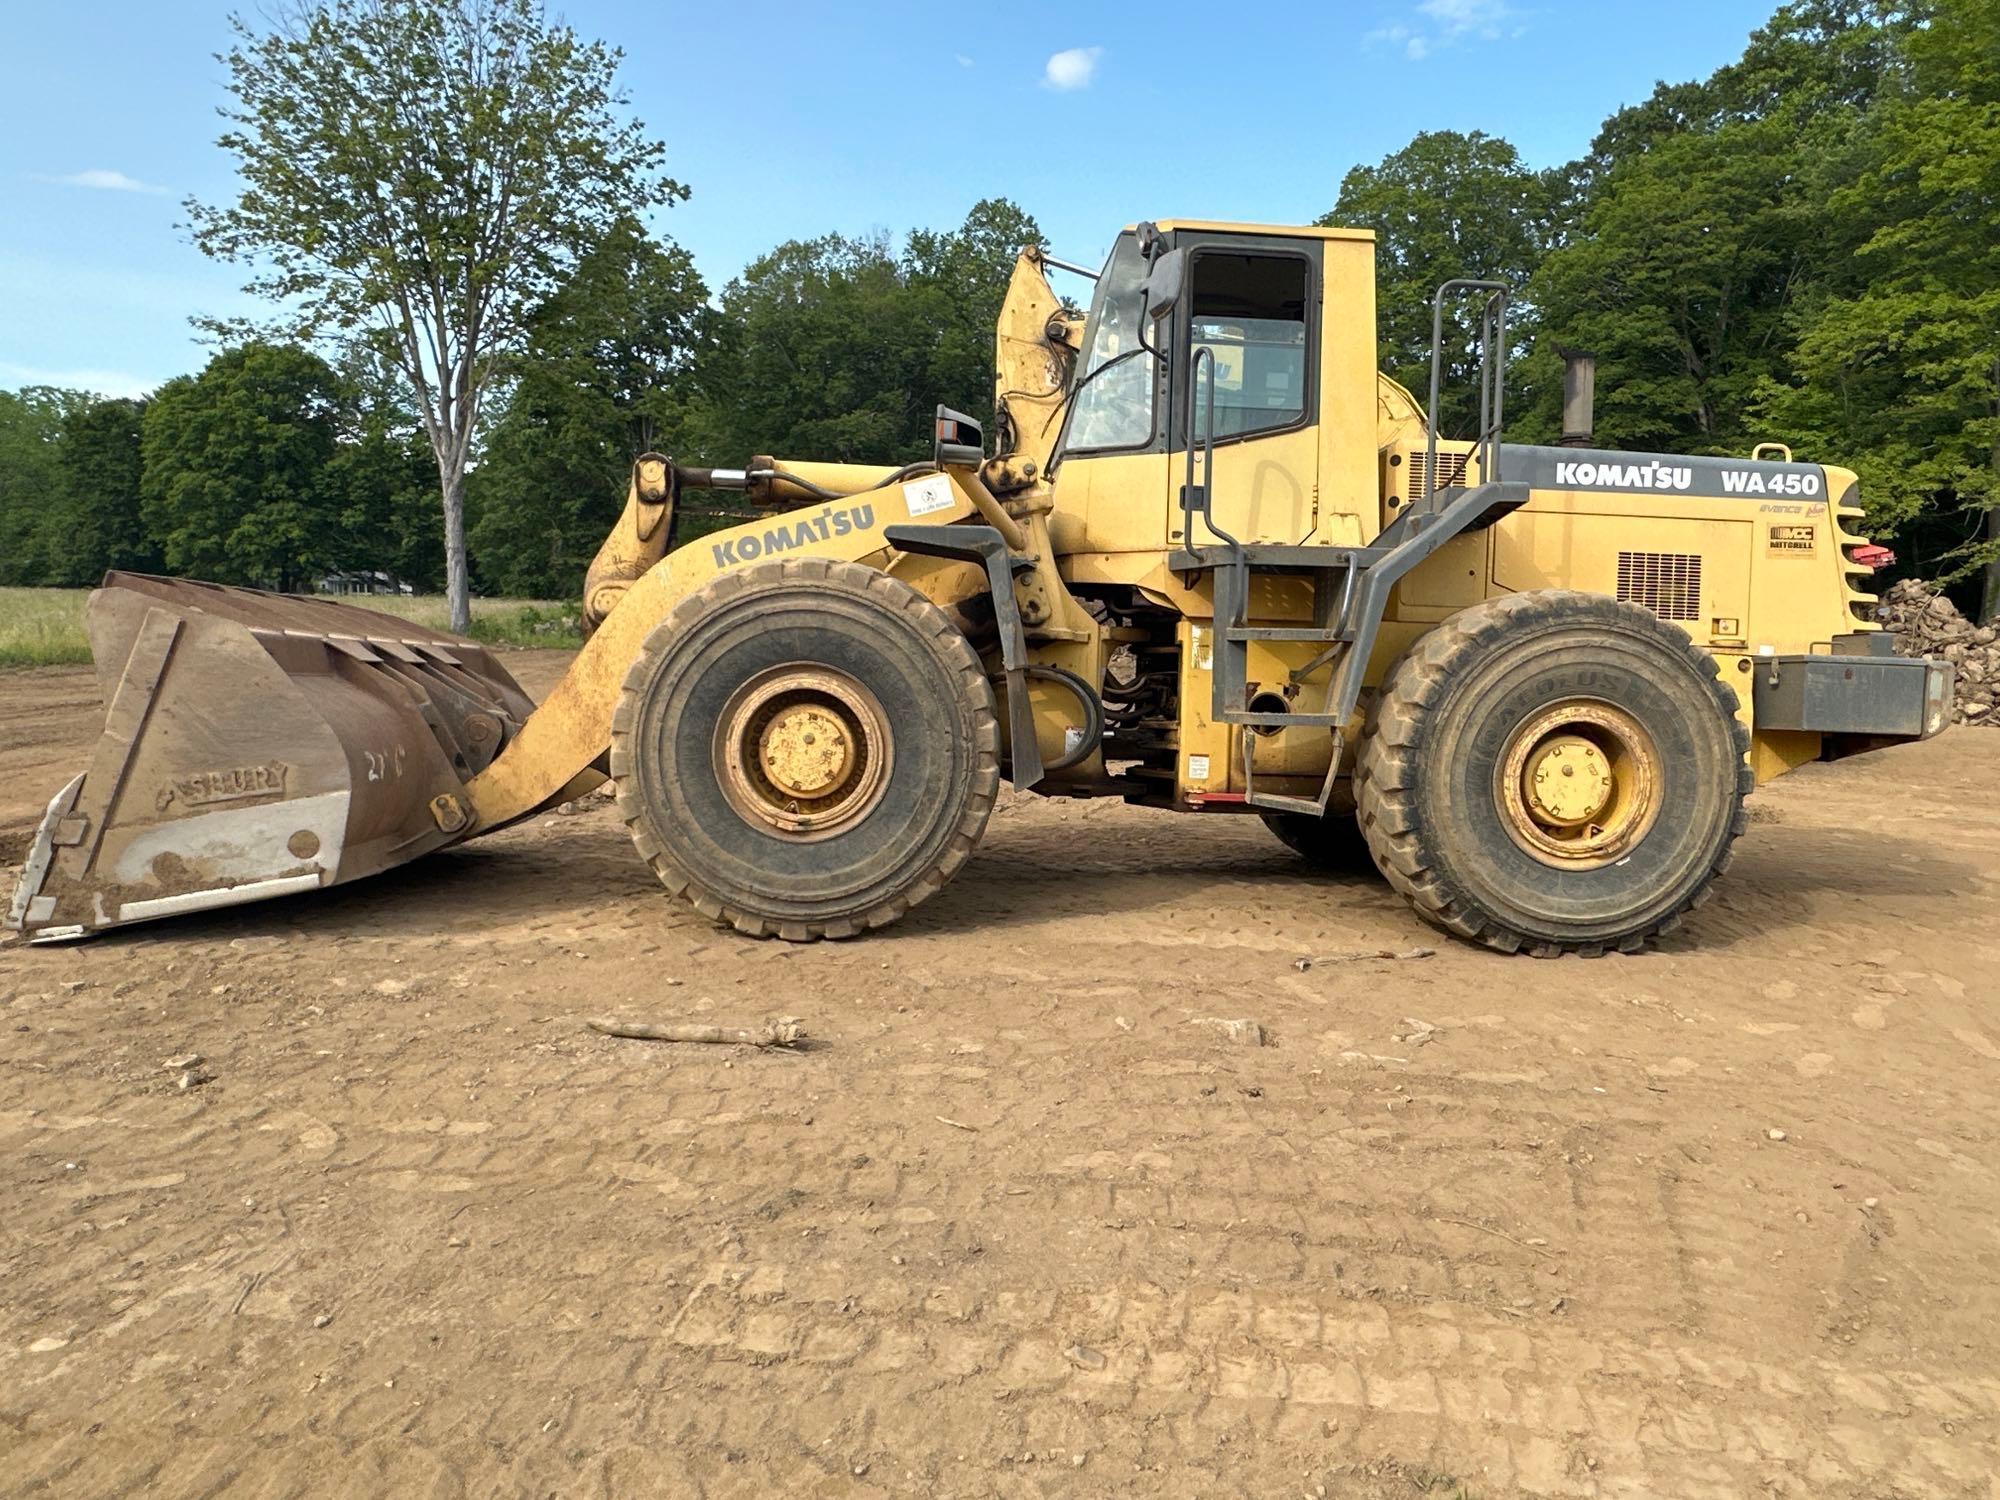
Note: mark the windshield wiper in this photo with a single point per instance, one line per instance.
(1116, 359)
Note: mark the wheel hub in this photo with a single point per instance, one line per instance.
(1579, 784)
(806, 750)
(1567, 782)
(803, 751)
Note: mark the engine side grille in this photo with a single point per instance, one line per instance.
(1450, 471)
(1667, 583)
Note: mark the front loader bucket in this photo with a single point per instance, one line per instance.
(256, 744)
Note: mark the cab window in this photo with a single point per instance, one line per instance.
(1249, 312)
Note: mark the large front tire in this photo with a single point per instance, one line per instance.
(1554, 772)
(805, 748)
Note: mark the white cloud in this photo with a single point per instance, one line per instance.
(1071, 69)
(1445, 23)
(104, 178)
(1457, 18)
(102, 382)
(963, 60)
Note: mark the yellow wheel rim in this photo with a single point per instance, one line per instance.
(803, 751)
(1579, 784)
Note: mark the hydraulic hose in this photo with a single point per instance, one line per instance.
(1093, 714)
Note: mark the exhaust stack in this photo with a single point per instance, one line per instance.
(1579, 398)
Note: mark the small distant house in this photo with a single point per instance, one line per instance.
(363, 582)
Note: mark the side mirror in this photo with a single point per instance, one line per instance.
(1162, 286)
(959, 440)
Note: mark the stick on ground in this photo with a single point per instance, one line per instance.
(1489, 1229)
(244, 1296)
(1362, 955)
(782, 1033)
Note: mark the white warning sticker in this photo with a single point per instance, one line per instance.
(1197, 768)
(931, 493)
(1204, 648)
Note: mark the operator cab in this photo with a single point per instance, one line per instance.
(1251, 348)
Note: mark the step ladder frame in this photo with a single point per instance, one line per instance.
(1347, 616)
(1345, 625)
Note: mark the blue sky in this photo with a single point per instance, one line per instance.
(789, 120)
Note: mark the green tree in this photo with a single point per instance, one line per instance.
(100, 525)
(381, 493)
(1701, 226)
(1897, 368)
(1812, 59)
(1447, 205)
(814, 357)
(603, 379)
(34, 485)
(1680, 282)
(417, 178)
(842, 349)
(235, 460)
(957, 280)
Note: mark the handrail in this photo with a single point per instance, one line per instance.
(1492, 377)
(1188, 489)
(1239, 561)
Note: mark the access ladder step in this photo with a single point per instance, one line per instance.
(1280, 721)
(1275, 803)
(1318, 634)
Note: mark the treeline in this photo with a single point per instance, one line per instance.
(832, 349)
(271, 467)
(267, 467)
(1801, 247)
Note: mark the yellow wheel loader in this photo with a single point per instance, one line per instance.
(1213, 562)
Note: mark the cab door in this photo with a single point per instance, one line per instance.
(1246, 337)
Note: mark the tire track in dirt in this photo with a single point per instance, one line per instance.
(1546, 1246)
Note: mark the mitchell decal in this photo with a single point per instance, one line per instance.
(829, 523)
(1792, 541)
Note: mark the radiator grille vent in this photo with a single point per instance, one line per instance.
(1450, 471)
(1667, 583)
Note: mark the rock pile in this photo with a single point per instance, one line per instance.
(1928, 624)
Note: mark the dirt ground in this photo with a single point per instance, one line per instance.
(1717, 1220)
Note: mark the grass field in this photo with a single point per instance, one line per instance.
(44, 627)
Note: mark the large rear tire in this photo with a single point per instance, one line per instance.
(1554, 772)
(805, 748)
